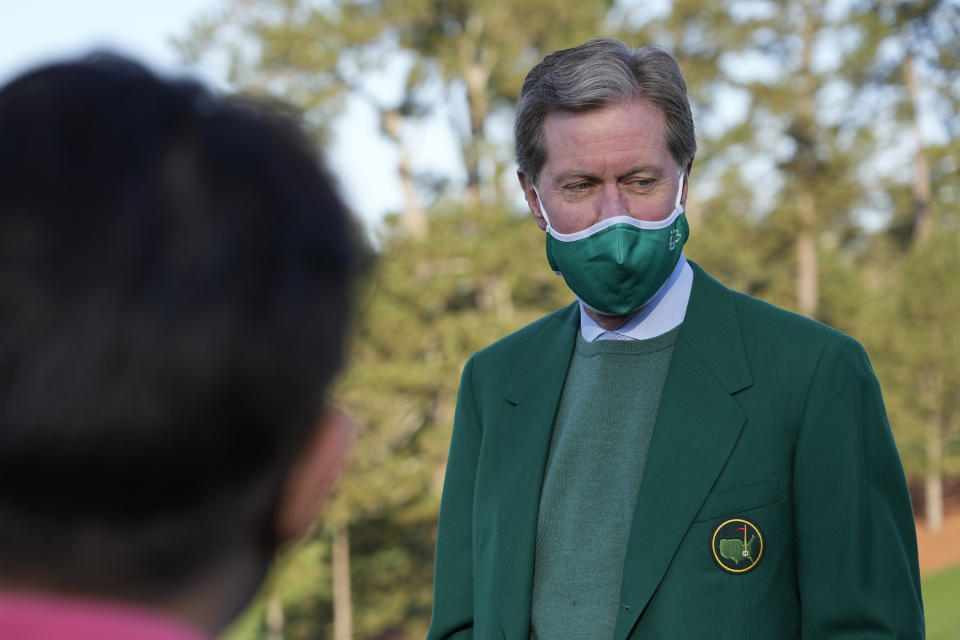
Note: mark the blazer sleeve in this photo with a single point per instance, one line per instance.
(856, 554)
(452, 615)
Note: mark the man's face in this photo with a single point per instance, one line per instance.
(607, 162)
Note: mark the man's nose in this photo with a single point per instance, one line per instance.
(611, 202)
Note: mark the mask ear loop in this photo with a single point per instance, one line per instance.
(676, 205)
(543, 209)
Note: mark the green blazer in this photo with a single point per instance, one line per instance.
(766, 416)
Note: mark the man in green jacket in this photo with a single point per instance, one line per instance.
(664, 458)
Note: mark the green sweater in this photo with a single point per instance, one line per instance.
(600, 441)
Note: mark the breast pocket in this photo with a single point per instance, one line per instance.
(737, 500)
(724, 599)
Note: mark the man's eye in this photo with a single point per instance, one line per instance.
(578, 186)
(641, 183)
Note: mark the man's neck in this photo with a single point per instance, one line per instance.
(610, 323)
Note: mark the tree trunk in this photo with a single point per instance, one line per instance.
(414, 220)
(808, 290)
(476, 65)
(808, 294)
(933, 499)
(932, 386)
(342, 600)
(274, 617)
(930, 394)
(921, 168)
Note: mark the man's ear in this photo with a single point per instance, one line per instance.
(526, 183)
(314, 476)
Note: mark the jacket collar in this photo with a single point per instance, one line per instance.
(711, 329)
(544, 363)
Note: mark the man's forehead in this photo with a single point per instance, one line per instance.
(632, 134)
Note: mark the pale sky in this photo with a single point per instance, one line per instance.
(36, 31)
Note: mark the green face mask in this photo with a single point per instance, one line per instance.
(616, 265)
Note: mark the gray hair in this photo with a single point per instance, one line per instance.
(596, 74)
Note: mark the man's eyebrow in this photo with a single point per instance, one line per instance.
(653, 170)
(573, 175)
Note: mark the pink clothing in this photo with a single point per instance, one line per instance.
(54, 617)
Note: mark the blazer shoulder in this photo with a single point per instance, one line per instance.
(505, 353)
(759, 316)
(795, 335)
(769, 333)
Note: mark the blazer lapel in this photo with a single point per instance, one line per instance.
(524, 431)
(697, 426)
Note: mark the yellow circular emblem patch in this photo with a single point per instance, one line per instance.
(737, 545)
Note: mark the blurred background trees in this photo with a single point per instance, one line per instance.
(826, 182)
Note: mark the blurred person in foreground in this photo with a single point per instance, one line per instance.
(175, 282)
(665, 457)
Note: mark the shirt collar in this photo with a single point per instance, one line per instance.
(665, 310)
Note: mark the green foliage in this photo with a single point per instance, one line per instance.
(431, 304)
(480, 275)
(909, 326)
